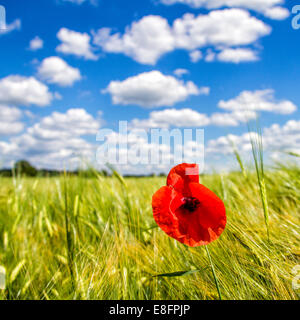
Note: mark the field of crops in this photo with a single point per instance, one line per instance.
(95, 238)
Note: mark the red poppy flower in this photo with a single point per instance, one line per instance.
(186, 210)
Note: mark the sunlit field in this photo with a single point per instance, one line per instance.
(95, 238)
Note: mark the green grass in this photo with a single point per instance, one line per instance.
(95, 238)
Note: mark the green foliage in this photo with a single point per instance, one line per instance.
(258, 157)
(178, 273)
(23, 167)
(75, 237)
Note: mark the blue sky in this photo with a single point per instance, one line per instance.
(73, 72)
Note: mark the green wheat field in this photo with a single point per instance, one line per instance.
(95, 238)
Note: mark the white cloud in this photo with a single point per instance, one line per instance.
(10, 121)
(245, 106)
(286, 137)
(56, 70)
(75, 122)
(151, 37)
(17, 90)
(54, 142)
(75, 43)
(210, 56)
(75, 1)
(36, 44)
(172, 118)
(237, 55)
(79, 2)
(277, 13)
(233, 118)
(275, 139)
(191, 118)
(145, 40)
(223, 144)
(180, 72)
(241, 109)
(195, 55)
(270, 8)
(15, 25)
(224, 119)
(260, 100)
(229, 27)
(152, 89)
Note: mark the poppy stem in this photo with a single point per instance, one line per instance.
(214, 273)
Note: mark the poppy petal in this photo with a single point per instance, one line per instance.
(191, 231)
(164, 201)
(211, 212)
(206, 223)
(183, 174)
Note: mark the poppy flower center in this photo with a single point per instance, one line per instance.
(190, 203)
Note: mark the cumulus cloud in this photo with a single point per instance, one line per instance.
(56, 141)
(191, 118)
(79, 2)
(15, 25)
(259, 100)
(151, 37)
(75, 43)
(75, 122)
(284, 138)
(195, 55)
(229, 27)
(275, 139)
(239, 110)
(152, 89)
(24, 91)
(56, 70)
(144, 41)
(180, 72)
(75, 1)
(10, 123)
(276, 13)
(232, 119)
(210, 56)
(223, 145)
(237, 55)
(172, 118)
(245, 106)
(36, 44)
(270, 8)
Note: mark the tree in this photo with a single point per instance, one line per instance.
(23, 167)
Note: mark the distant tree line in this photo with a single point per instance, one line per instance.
(25, 168)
